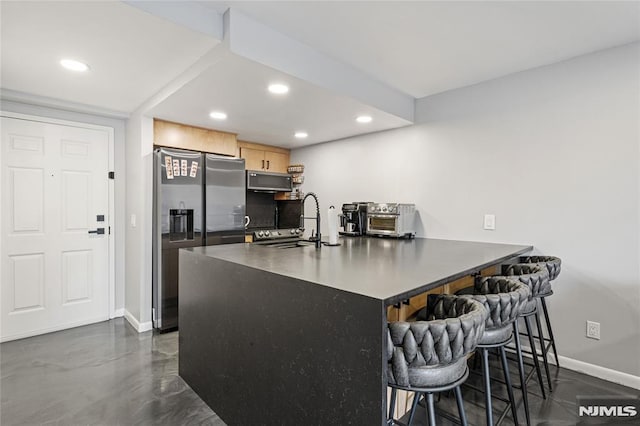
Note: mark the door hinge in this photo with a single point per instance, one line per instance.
(109, 230)
(112, 175)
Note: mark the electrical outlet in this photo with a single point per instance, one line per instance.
(593, 330)
(490, 222)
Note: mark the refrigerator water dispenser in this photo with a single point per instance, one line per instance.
(180, 224)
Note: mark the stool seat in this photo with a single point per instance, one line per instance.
(496, 335)
(428, 377)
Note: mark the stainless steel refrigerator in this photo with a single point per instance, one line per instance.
(199, 199)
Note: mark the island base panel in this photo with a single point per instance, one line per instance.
(266, 349)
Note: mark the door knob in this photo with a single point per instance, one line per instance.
(98, 231)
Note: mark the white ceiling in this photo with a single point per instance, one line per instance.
(132, 54)
(238, 87)
(427, 47)
(416, 48)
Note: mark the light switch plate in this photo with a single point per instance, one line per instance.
(133, 220)
(490, 222)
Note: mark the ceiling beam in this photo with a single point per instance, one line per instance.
(190, 15)
(212, 57)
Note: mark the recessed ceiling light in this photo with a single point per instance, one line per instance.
(278, 88)
(218, 115)
(74, 65)
(364, 119)
(301, 135)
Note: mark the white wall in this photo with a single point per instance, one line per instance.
(139, 204)
(552, 152)
(118, 126)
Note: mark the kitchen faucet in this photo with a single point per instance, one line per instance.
(317, 218)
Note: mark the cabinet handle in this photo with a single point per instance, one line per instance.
(267, 164)
(263, 164)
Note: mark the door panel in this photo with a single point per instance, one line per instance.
(26, 196)
(27, 282)
(77, 280)
(54, 184)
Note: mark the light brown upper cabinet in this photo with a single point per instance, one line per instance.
(176, 135)
(264, 157)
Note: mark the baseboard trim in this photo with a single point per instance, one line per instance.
(118, 313)
(603, 373)
(594, 370)
(47, 330)
(140, 327)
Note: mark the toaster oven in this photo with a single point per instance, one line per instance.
(391, 220)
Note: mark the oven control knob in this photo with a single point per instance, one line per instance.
(384, 209)
(391, 209)
(267, 233)
(260, 234)
(297, 231)
(293, 231)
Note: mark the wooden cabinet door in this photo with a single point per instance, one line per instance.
(220, 143)
(253, 158)
(276, 162)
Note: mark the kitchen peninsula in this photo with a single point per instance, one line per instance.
(296, 336)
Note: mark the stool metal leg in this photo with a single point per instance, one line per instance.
(532, 343)
(487, 385)
(392, 406)
(507, 380)
(544, 353)
(414, 405)
(463, 415)
(550, 330)
(431, 409)
(523, 380)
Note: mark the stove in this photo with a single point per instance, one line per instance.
(266, 236)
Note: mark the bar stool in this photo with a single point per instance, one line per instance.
(536, 277)
(430, 356)
(504, 298)
(553, 265)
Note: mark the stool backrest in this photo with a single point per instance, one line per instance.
(552, 263)
(534, 275)
(503, 297)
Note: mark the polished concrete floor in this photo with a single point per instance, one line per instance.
(100, 374)
(107, 374)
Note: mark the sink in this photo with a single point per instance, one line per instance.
(292, 244)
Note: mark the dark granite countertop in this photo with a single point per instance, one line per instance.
(386, 269)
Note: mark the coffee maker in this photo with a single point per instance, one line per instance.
(353, 219)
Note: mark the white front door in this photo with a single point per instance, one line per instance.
(55, 195)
